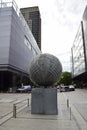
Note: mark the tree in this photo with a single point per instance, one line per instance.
(66, 78)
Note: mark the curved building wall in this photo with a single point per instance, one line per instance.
(18, 45)
(20, 54)
(5, 31)
(17, 48)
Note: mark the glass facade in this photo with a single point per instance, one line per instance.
(78, 63)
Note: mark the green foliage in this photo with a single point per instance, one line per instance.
(66, 78)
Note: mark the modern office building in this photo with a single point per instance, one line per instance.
(17, 47)
(32, 16)
(79, 52)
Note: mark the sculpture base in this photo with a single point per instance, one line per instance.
(44, 101)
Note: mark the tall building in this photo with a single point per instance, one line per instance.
(79, 51)
(17, 47)
(32, 16)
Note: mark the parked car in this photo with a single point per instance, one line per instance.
(71, 88)
(64, 88)
(24, 89)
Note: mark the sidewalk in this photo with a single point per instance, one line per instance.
(63, 121)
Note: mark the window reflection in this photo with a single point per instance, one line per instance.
(78, 54)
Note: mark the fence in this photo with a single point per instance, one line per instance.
(15, 110)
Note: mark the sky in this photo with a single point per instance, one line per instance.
(60, 21)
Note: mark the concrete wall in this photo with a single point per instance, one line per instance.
(44, 101)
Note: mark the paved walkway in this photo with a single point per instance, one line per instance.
(26, 121)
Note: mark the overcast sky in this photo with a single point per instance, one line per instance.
(60, 22)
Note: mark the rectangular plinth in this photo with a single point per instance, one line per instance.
(44, 101)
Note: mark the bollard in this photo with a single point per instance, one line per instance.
(28, 102)
(68, 103)
(14, 110)
(70, 113)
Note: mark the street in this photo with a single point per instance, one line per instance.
(71, 117)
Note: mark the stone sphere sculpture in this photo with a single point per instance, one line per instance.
(45, 70)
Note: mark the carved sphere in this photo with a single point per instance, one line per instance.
(45, 70)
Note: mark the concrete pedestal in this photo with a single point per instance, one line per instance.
(44, 101)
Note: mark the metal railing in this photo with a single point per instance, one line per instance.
(68, 106)
(15, 106)
(8, 3)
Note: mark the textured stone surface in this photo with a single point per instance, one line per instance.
(44, 101)
(45, 70)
